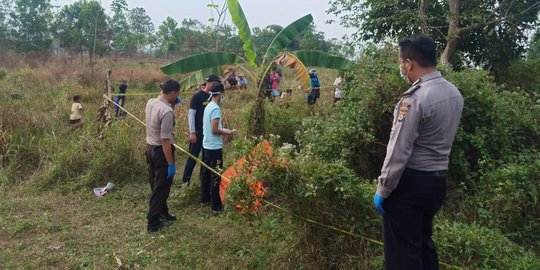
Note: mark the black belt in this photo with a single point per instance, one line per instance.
(149, 146)
(426, 173)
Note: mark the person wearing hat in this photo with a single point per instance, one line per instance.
(199, 100)
(213, 145)
(160, 152)
(315, 87)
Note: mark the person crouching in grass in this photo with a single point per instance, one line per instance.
(75, 118)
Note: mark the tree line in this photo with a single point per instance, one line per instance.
(84, 28)
(475, 33)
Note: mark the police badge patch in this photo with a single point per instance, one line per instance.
(403, 109)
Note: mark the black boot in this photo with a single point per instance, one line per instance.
(154, 224)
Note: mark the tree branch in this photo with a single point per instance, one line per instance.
(464, 30)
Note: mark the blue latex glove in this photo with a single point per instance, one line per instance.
(178, 101)
(171, 170)
(378, 201)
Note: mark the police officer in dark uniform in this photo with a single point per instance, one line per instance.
(412, 184)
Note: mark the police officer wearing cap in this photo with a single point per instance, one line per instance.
(160, 153)
(412, 184)
(198, 102)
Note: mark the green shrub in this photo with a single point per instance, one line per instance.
(359, 130)
(523, 75)
(476, 247)
(329, 193)
(495, 125)
(284, 122)
(505, 197)
(493, 169)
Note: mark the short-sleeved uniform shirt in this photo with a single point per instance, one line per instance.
(211, 141)
(425, 123)
(75, 111)
(198, 102)
(159, 121)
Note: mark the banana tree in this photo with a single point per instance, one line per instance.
(201, 65)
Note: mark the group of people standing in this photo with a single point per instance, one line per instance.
(205, 135)
(412, 184)
(273, 79)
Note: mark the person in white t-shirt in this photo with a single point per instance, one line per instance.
(75, 118)
(338, 93)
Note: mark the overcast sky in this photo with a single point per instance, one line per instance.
(259, 13)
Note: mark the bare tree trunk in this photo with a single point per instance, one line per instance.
(423, 19)
(104, 113)
(452, 36)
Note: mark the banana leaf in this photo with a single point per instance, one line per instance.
(198, 77)
(200, 61)
(322, 59)
(287, 35)
(244, 32)
(300, 72)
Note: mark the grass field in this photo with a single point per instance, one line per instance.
(49, 217)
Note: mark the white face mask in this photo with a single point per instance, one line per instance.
(404, 76)
(222, 99)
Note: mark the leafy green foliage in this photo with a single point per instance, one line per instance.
(141, 29)
(491, 45)
(244, 32)
(327, 192)
(119, 27)
(286, 36)
(198, 77)
(262, 37)
(534, 49)
(477, 247)
(30, 23)
(321, 59)
(5, 6)
(187, 39)
(493, 179)
(82, 27)
(523, 75)
(199, 61)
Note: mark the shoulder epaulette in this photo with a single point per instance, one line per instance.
(412, 90)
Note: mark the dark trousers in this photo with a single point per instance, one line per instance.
(210, 181)
(120, 100)
(408, 221)
(161, 187)
(194, 149)
(268, 94)
(312, 99)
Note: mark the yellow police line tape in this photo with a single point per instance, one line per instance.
(135, 94)
(377, 242)
(229, 91)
